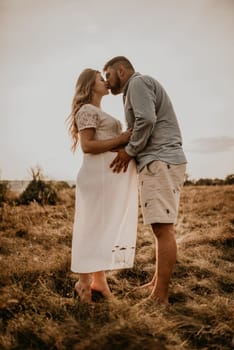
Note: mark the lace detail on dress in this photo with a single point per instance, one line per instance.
(87, 118)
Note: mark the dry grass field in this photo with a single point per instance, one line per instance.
(39, 311)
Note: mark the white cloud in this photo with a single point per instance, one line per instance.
(212, 145)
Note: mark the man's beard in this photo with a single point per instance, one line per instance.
(115, 90)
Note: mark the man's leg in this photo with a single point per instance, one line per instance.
(165, 260)
(160, 186)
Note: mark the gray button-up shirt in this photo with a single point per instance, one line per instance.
(149, 112)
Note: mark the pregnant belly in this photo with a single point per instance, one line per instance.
(95, 171)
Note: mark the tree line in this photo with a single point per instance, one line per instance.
(229, 180)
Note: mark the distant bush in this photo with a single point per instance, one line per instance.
(67, 197)
(229, 180)
(3, 191)
(204, 182)
(188, 181)
(39, 191)
(61, 185)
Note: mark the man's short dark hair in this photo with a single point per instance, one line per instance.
(120, 60)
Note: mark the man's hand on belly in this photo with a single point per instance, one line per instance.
(121, 161)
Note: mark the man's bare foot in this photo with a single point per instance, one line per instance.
(103, 288)
(163, 302)
(160, 297)
(84, 292)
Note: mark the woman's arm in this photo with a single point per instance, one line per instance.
(90, 145)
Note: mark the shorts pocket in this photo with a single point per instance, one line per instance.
(178, 176)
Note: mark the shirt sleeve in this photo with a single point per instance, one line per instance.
(142, 101)
(87, 118)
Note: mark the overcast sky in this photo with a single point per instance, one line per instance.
(187, 45)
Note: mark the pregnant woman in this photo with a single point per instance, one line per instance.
(105, 224)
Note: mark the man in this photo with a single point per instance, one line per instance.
(156, 144)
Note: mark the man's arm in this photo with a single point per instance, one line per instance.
(142, 101)
(121, 161)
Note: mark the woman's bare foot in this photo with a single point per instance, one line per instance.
(99, 283)
(103, 288)
(84, 292)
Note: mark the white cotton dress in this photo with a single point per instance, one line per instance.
(105, 225)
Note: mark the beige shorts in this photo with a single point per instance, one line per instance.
(160, 187)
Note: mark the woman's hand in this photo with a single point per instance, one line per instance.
(125, 136)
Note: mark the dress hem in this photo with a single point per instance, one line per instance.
(116, 267)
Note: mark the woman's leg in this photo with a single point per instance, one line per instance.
(100, 284)
(83, 287)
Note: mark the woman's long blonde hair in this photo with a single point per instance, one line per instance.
(83, 95)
